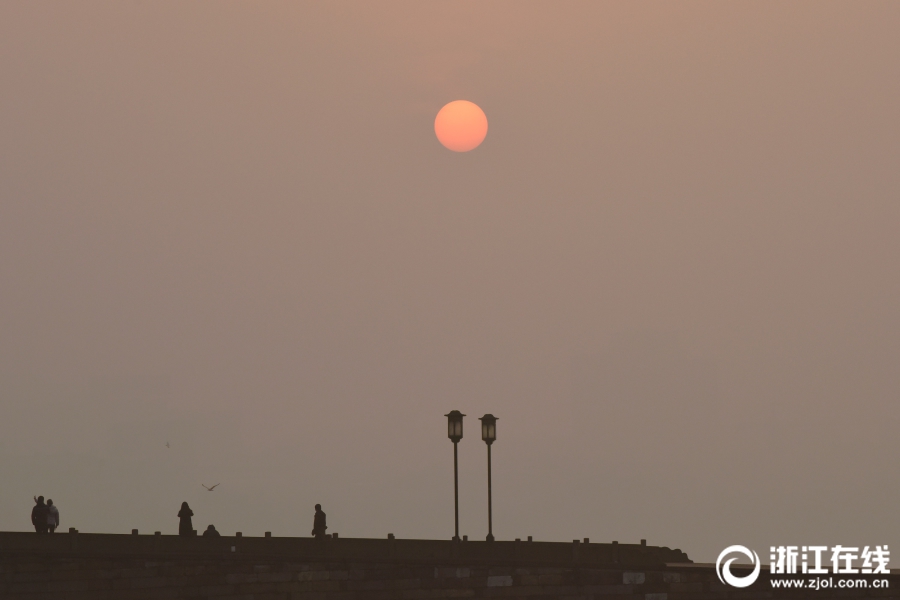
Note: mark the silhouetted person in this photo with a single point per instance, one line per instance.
(185, 527)
(211, 531)
(39, 515)
(52, 516)
(319, 525)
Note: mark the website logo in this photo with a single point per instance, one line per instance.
(724, 570)
(845, 560)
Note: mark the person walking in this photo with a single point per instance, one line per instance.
(319, 525)
(185, 526)
(52, 516)
(39, 515)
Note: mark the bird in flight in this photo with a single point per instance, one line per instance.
(167, 445)
(209, 489)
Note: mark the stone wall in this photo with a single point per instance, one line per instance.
(165, 567)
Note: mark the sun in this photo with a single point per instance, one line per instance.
(461, 126)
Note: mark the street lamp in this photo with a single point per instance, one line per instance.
(489, 435)
(455, 433)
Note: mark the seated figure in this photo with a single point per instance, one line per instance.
(211, 531)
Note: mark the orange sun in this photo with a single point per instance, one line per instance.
(461, 126)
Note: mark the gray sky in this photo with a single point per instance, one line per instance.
(671, 269)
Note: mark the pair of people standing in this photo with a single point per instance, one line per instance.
(44, 517)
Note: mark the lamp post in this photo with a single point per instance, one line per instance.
(455, 433)
(489, 435)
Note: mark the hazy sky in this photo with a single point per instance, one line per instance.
(671, 269)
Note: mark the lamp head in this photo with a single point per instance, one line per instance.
(488, 428)
(454, 425)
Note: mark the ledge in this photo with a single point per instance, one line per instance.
(359, 549)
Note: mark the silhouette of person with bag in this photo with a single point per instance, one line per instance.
(319, 525)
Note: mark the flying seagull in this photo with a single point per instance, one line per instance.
(209, 489)
(167, 445)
